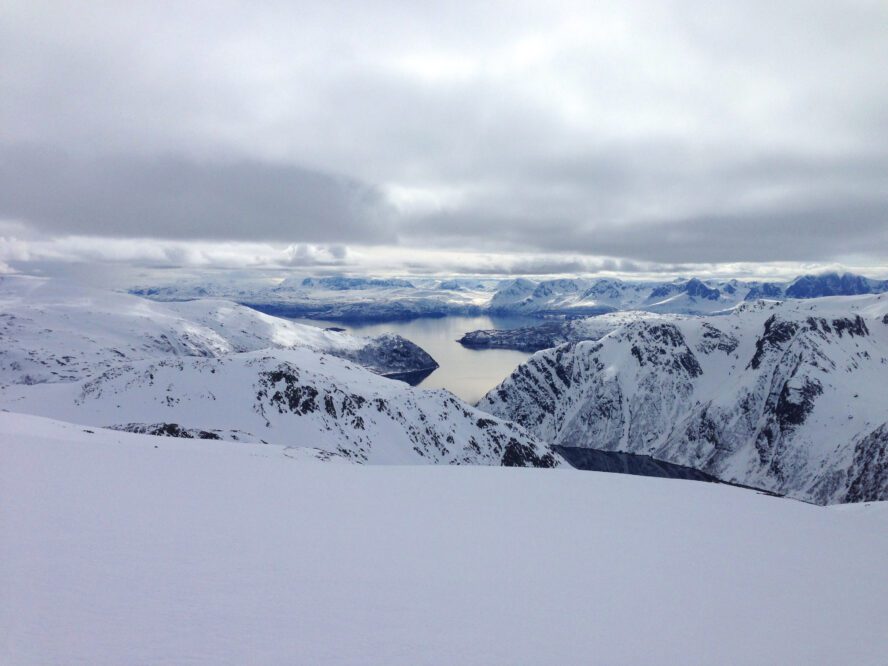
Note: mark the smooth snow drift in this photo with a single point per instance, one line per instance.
(130, 549)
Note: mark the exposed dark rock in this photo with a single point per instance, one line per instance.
(765, 290)
(664, 345)
(393, 356)
(777, 332)
(833, 284)
(696, 289)
(795, 404)
(521, 455)
(868, 475)
(853, 327)
(166, 430)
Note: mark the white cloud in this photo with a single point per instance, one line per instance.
(756, 130)
(169, 254)
(80, 255)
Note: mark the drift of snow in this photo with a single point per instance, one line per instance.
(118, 548)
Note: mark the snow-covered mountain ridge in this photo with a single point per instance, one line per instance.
(293, 397)
(582, 296)
(786, 396)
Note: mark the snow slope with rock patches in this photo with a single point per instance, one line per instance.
(787, 396)
(293, 397)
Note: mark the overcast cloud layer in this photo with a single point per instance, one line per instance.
(555, 135)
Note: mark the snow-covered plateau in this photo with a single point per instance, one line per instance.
(786, 396)
(117, 548)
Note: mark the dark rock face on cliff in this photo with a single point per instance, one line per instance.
(788, 397)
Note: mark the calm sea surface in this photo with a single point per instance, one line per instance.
(468, 373)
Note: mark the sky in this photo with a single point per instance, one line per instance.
(740, 137)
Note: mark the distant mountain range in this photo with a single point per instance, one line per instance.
(625, 302)
(680, 296)
(356, 299)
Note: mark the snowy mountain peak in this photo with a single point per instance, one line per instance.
(697, 289)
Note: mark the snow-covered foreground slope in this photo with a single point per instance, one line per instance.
(784, 396)
(52, 331)
(296, 397)
(127, 549)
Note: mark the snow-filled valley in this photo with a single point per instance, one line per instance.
(118, 548)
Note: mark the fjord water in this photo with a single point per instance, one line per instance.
(468, 373)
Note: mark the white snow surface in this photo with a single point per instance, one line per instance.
(129, 549)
